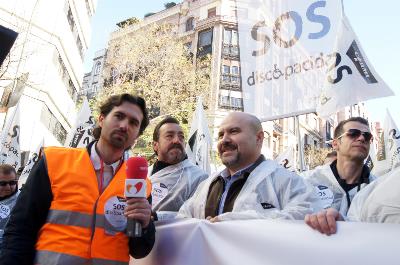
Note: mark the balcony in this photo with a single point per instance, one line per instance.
(230, 103)
(230, 82)
(230, 51)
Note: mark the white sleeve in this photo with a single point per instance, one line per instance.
(188, 210)
(358, 202)
(297, 197)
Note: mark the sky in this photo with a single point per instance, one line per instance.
(375, 23)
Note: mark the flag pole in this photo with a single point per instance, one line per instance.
(299, 144)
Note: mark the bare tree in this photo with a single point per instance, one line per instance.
(153, 62)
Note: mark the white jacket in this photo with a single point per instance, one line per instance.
(379, 202)
(175, 184)
(268, 184)
(329, 189)
(6, 207)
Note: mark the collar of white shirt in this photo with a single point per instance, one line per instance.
(96, 160)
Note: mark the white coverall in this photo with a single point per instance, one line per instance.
(175, 184)
(329, 189)
(269, 183)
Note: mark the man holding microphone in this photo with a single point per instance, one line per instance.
(72, 209)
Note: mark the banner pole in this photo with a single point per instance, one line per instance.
(299, 144)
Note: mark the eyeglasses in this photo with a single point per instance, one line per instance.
(11, 183)
(355, 133)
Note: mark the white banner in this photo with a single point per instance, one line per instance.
(10, 152)
(299, 56)
(81, 134)
(33, 158)
(199, 144)
(198, 242)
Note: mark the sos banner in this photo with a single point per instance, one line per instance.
(81, 134)
(9, 139)
(301, 56)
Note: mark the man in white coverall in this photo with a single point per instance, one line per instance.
(379, 202)
(338, 182)
(250, 187)
(174, 178)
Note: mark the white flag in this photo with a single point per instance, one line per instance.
(299, 55)
(286, 159)
(10, 152)
(199, 144)
(353, 78)
(33, 158)
(392, 141)
(81, 134)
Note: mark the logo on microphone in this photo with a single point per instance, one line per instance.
(138, 186)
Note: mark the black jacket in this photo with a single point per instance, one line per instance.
(30, 213)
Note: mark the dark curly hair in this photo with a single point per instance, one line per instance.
(118, 100)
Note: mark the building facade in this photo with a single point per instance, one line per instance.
(92, 81)
(47, 61)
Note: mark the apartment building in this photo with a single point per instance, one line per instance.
(92, 81)
(47, 62)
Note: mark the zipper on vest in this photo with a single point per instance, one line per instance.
(93, 226)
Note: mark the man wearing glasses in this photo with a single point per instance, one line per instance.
(337, 183)
(8, 195)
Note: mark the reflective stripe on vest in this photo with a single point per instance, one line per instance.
(44, 257)
(76, 219)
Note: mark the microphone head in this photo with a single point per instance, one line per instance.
(136, 168)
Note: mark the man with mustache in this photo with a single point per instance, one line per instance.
(250, 187)
(337, 183)
(72, 209)
(174, 178)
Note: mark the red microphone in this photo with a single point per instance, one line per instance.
(135, 187)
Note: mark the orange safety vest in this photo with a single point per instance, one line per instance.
(83, 226)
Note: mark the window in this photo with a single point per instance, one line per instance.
(236, 102)
(230, 47)
(89, 12)
(212, 12)
(230, 102)
(235, 70)
(205, 38)
(114, 74)
(230, 77)
(235, 74)
(97, 68)
(305, 139)
(190, 24)
(66, 77)
(53, 125)
(225, 73)
(95, 87)
(230, 37)
(205, 42)
(70, 19)
(79, 45)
